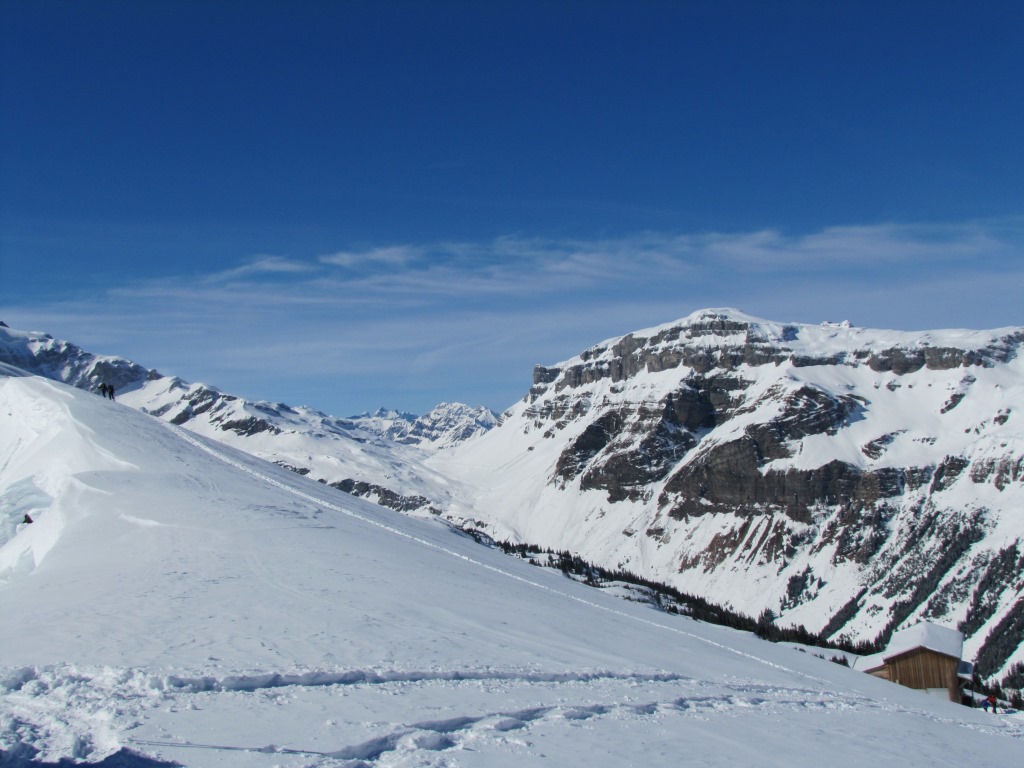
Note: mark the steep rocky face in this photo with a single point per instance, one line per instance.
(384, 496)
(847, 479)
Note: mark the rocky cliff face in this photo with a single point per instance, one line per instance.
(849, 480)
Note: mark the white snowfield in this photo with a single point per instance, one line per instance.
(177, 602)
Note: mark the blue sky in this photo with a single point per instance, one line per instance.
(355, 204)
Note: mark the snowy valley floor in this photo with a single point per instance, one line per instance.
(480, 718)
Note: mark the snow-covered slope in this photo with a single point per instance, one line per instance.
(378, 456)
(849, 480)
(178, 602)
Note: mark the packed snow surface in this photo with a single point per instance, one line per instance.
(178, 602)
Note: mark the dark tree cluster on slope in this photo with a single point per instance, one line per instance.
(693, 606)
(1002, 642)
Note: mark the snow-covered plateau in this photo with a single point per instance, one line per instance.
(178, 602)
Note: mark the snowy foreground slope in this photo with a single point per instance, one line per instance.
(177, 602)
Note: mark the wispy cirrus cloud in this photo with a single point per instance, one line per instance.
(771, 250)
(532, 268)
(388, 257)
(261, 266)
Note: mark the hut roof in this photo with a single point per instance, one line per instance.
(944, 640)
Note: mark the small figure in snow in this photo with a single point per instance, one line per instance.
(103, 390)
(991, 700)
(28, 518)
(110, 391)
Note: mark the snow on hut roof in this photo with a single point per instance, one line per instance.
(926, 635)
(942, 640)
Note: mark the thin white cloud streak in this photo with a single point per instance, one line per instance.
(261, 266)
(770, 250)
(706, 269)
(393, 256)
(520, 268)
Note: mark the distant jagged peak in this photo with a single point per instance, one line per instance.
(458, 410)
(444, 425)
(388, 413)
(196, 403)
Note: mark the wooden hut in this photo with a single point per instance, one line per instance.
(924, 656)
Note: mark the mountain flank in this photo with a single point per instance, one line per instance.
(848, 480)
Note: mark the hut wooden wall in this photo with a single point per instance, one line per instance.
(921, 668)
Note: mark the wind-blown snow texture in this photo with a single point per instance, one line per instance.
(178, 602)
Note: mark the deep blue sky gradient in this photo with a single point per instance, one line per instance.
(152, 150)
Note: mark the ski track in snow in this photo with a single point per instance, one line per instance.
(460, 732)
(93, 700)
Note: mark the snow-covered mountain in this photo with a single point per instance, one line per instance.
(378, 456)
(849, 480)
(177, 602)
